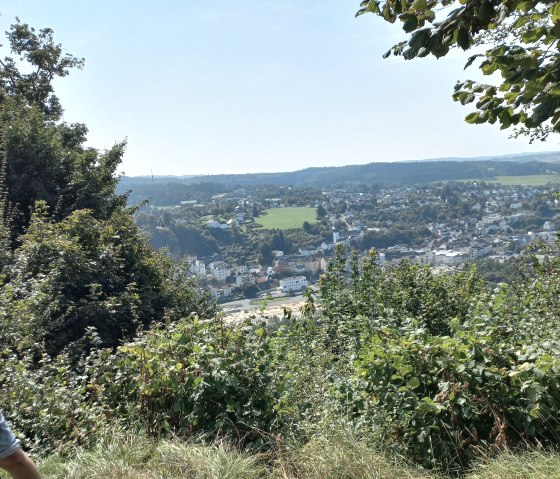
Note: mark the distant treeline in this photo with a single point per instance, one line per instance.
(170, 190)
(167, 191)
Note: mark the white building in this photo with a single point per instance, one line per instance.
(197, 267)
(216, 224)
(219, 270)
(232, 223)
(220, 292)
(293, 283)
(449, 258)
(240, 269)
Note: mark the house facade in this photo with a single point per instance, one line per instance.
(293, 283)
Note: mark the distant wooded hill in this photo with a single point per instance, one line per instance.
(170, 189)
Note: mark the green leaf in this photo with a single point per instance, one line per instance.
(413, 382)
(463, 39)
(471, 60)
(485, 12)
(373, 7)
(534, 412)
(409, 53)
(410, 24)
(533, 35)
(525, 6)
(420, 39)
(555, 12)
(472, 118)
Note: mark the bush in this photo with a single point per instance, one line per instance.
(444, 399)
(50, 407)
(82, 272)
(195, 376)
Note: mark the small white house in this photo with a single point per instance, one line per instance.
(219, 270)
(197, 267)
(293, 283)
(216, 224)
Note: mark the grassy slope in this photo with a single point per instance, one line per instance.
(337, 458)
(527, 180)
(522, 180)
(286, 218)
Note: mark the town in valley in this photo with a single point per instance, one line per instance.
(255, 241)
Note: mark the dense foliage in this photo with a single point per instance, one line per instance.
(42, 157)
(76, 273)
(81, 272)
(436, 368)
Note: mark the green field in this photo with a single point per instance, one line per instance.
(527, 180)
(522, 180)
(286, 218)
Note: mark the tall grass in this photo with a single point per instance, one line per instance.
(127, 457)
(140, 458)
(342, 457)
(534, 465)
(339, 457)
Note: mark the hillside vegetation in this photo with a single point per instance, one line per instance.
(440, 371)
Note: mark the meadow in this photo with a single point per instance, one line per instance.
(521, 180)
(527, 180)
(286, 218)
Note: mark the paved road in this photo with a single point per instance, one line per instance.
(245, 304)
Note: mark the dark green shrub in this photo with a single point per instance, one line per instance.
(50, 406)
(443, 399)
(195, 376)
(83, 272)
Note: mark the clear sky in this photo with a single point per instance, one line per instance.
(200, 87)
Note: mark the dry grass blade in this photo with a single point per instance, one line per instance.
(519, 466)
(345, 458)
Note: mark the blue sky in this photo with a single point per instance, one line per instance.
(202, 87)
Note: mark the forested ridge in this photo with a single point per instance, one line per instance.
(385, 373)
(165, 190)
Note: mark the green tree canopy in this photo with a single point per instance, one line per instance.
(41, 157)
(521, 40)
(46, 60)
(82, 272)
(71, 258)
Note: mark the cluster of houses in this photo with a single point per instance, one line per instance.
(219, 272)
(489, 228)
(223, 278)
